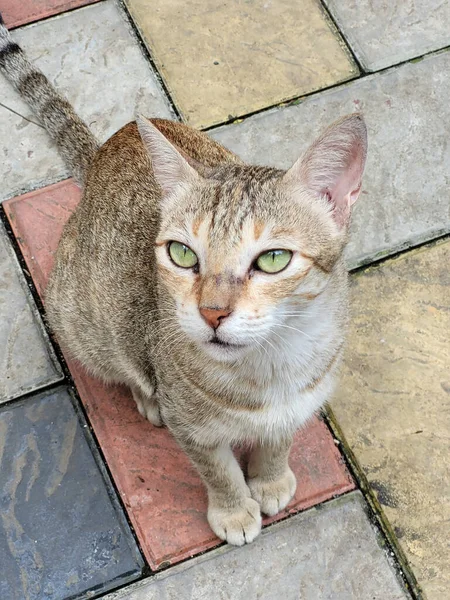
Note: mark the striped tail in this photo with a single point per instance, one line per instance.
(75, 142)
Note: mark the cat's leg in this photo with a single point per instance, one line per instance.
(147, 405)
(232, 514)
(271, 481)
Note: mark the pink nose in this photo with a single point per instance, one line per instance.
(214, 316)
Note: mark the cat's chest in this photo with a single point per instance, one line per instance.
(277, 407)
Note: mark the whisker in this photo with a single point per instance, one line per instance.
(295, 329)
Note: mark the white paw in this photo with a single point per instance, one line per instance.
(273, 496)
(237, 526)
(148, 408)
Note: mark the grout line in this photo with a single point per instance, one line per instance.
(376, 514)
(295, 100)
(48, 387)
(429, 243)
(138, 38)
(328, 15)
(68, 382)
(338, 85)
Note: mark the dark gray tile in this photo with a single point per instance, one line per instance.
(62, 533)
(27, 361)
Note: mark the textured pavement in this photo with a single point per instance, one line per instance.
(83, 53)
(27, 361)
(305, 557)
(383, 34)
(65, 525)
(209, 59)
(398, 423)
(61, 532)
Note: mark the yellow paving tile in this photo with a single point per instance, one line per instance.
(225, 59)
(394, 402)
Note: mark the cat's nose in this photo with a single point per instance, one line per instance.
(214, 316)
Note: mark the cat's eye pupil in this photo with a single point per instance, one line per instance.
(182, 255)
(273, 261)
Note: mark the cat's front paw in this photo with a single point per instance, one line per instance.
(273, 496)
(237, 526)
(148, 407)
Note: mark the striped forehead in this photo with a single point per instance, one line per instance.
(235, 202)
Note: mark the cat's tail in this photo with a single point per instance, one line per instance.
(72, 136)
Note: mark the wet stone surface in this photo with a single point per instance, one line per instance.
(61, 534)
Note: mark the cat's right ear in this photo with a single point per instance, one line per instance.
(170, 169)
(333, 166)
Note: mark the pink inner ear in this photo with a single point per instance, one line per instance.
(346, 190)
(333, 166)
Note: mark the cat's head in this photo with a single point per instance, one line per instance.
(240, 248)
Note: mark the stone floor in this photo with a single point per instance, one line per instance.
(95, 502)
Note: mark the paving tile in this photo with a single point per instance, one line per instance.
(37, 220)
(84, 54)
(386, 33)
(224, 59)
(26, 11)
(61, 532)
(27, 361)
(157, 482)
(401, 204)
(393, 404)
(331, 553)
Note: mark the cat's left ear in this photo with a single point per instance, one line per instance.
(170, 169)
(333, 166)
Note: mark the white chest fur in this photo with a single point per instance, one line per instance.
(295, 377)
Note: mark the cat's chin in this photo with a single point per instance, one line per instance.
(224, 351)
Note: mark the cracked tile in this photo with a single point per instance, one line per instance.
(27, 361)
(62, 532)
(225, 59)
(84, 54)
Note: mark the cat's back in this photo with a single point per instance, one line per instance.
(123, 160)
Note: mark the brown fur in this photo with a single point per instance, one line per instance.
(120, 305)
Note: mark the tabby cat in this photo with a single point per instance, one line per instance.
(216, 290)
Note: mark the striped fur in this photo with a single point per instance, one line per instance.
(75, 142)
(118, 303)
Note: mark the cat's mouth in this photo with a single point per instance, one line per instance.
(221, 344)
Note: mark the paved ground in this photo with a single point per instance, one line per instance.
(95, 502)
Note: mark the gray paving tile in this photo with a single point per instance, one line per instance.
(386, 33)
(61, 533)
(93, 58)
(326, 553)
(27, 361)
(405, 198)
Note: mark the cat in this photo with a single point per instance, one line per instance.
(216, 290)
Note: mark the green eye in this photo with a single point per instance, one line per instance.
(182, 255)
(273, 261)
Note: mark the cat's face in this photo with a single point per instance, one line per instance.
(239, 257)
(240, 248)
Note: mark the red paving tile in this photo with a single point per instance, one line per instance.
(20, 12)
(164, 497)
